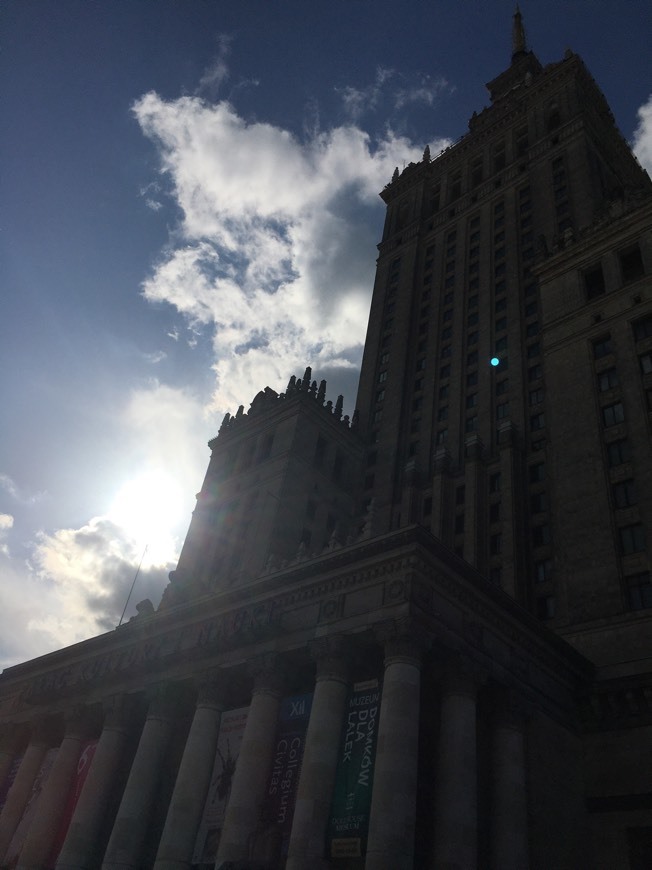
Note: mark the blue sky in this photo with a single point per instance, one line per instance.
(189, 212)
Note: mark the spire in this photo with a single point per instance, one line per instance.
(518, 35)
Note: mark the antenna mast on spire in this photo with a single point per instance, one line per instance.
(519, 45)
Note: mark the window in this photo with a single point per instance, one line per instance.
(443, 391)
(645, 361)
(617, 452)
(532, 329)
(502, 411)
(416, 405)
(473, 301)
(613, 414)
(531, 308)
(607, 380)
(538, 502)
(624, 493)
(541, 535)
(501, 305)
(459, 524)
(494, 482)
(442, 436)
(546, 607)
(502, 387)
(372, 456)
(427, 506)
(632, 539)
(476, 173)
(537, 472)
(446, 333)
(472, 319)
(448, 299)
(472, 337)
(311, 510)
(448, 315)
(382, 377)
(495, 574)
(471, 424)
(320, 452)
(460, 493)
(631, 264)
(384, 357)
(472, 358)
(421, 364)
(446, 351)
(472, 400)
(501, 344)
(536, 396)
(494, 512)
(533, 350)
(501, 324)
(521, 141)
(643, 328)
(534, 373)
(378, 415)
(499, 157)
(471, 379)
(542, 570)
(380, 395)
(389, 323)
(495, 544)
(594, 282)
(445, 371)
(639, 591)
(412, 450)
(418, 384)
(442, 414)
(602, 347)
(369, 481)
(415, 425)
(456, 187)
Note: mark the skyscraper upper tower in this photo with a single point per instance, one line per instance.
(481, 376)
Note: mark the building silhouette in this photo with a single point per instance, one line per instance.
(419, 637)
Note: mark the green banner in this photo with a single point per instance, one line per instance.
(349, 819)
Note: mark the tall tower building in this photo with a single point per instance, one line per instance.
(510, 307)
(420, 638)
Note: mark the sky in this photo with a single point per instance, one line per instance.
(189, 212)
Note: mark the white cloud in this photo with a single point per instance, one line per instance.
(275, 253)
(391, 91)
(74, 582)
(642, 142)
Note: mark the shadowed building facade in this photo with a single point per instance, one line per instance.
(418, 638)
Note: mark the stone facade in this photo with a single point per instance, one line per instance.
(419, 638)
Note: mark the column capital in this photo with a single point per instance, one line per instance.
(461, 675)
(212, 688)
(332, 657)
(80, 721)
(510, 708)
(267, 675)
(45, 730)
(120, 711)
(163, 701)
(403, 640)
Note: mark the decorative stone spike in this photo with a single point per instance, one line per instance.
(338, 407)
(426, 154)
(225, 421)
(355, 419)
(345, 420)
(292, 383)
(329, 406)
(395, 175)
(306, 377)
(240, 412)
(313, 388)
(321, 394)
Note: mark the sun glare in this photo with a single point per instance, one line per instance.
(148, 508)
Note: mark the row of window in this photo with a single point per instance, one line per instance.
(630, 261)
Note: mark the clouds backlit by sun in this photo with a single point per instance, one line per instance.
(149, 509)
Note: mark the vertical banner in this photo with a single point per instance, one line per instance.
(278, 806)
(18, 840)
(349, 819)
(83, 766)
(232, 727)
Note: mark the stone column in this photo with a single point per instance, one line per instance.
(52, 802)
(193, 779)
(390, 843)
(80, 848)
(130, 827)
(456, 789)
(20, 791)
(253, 765)
(11, 739)
(319, 764)
(509, 804)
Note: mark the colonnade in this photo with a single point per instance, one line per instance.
(391, 830)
